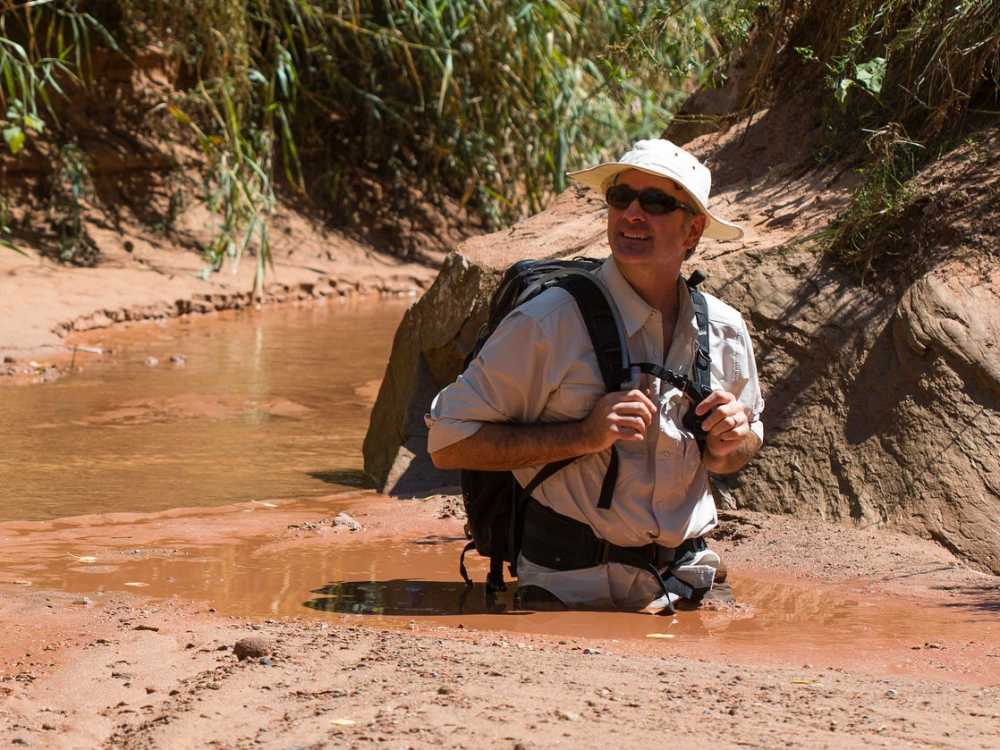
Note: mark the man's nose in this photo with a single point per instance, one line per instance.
(634, 212)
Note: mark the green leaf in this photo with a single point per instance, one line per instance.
(11, 246)
(871, 74)
(34, 123)
(444, 83)
(14, 137)
(841, 89)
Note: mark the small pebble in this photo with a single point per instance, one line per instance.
(891, 693)
(152, 361)
(344, 519)
(251, 648)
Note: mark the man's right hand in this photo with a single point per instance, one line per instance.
(501, 446)
(620, 415)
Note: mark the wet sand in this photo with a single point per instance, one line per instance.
(854, 646)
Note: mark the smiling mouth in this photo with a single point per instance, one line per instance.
(634, 235)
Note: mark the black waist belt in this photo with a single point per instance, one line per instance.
(555, 541)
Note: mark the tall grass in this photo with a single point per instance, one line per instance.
(45, 45)
(397, 102)
(941, 62)
(370, 109)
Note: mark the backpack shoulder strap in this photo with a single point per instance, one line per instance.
(606, 338)
(601, 325)
(701, 374)
(607, 342)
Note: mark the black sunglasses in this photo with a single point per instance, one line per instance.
(651, 200)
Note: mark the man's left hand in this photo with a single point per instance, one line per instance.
(727, 425)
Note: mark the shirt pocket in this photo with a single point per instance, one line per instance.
(674, 441)
(572, 401)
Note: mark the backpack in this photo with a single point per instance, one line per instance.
(494, 501)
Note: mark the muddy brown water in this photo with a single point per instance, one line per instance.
(415, 584)
(265, 405)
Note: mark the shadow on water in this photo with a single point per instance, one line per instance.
(439, 539)
(411, 597)
(344, 477)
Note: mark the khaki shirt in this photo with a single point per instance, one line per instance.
(539, 366)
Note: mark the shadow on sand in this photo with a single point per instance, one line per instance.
(984, 597)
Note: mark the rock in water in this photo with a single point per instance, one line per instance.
(343, 519)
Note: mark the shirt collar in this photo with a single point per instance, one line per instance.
(634, 309)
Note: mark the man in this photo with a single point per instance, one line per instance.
(535, 395)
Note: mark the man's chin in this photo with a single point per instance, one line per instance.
(632, 251)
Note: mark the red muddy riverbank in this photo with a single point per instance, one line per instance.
(855, 644)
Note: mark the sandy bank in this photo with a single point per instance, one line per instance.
(46, 309)
(163, 673)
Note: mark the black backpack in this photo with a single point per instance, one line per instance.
(494, 501)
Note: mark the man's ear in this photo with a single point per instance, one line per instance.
(695, 228)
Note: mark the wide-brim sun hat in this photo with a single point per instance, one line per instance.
(662, 158)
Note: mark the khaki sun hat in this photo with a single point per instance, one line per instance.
(664, 159)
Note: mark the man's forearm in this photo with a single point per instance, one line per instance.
(733, 462)
(504, 446)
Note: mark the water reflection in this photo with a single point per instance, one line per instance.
(411, 597)
(391, 583)
(345, 478)
(267, 405)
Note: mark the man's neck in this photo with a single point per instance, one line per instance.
(657, 287)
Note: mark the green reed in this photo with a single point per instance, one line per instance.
(369, 110)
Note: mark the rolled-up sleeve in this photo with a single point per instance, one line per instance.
(750, 395)
(510, 381)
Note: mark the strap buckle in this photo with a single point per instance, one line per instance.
(603, 548)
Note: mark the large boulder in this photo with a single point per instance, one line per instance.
(439, 330)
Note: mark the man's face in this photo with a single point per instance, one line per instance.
(637, 237)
